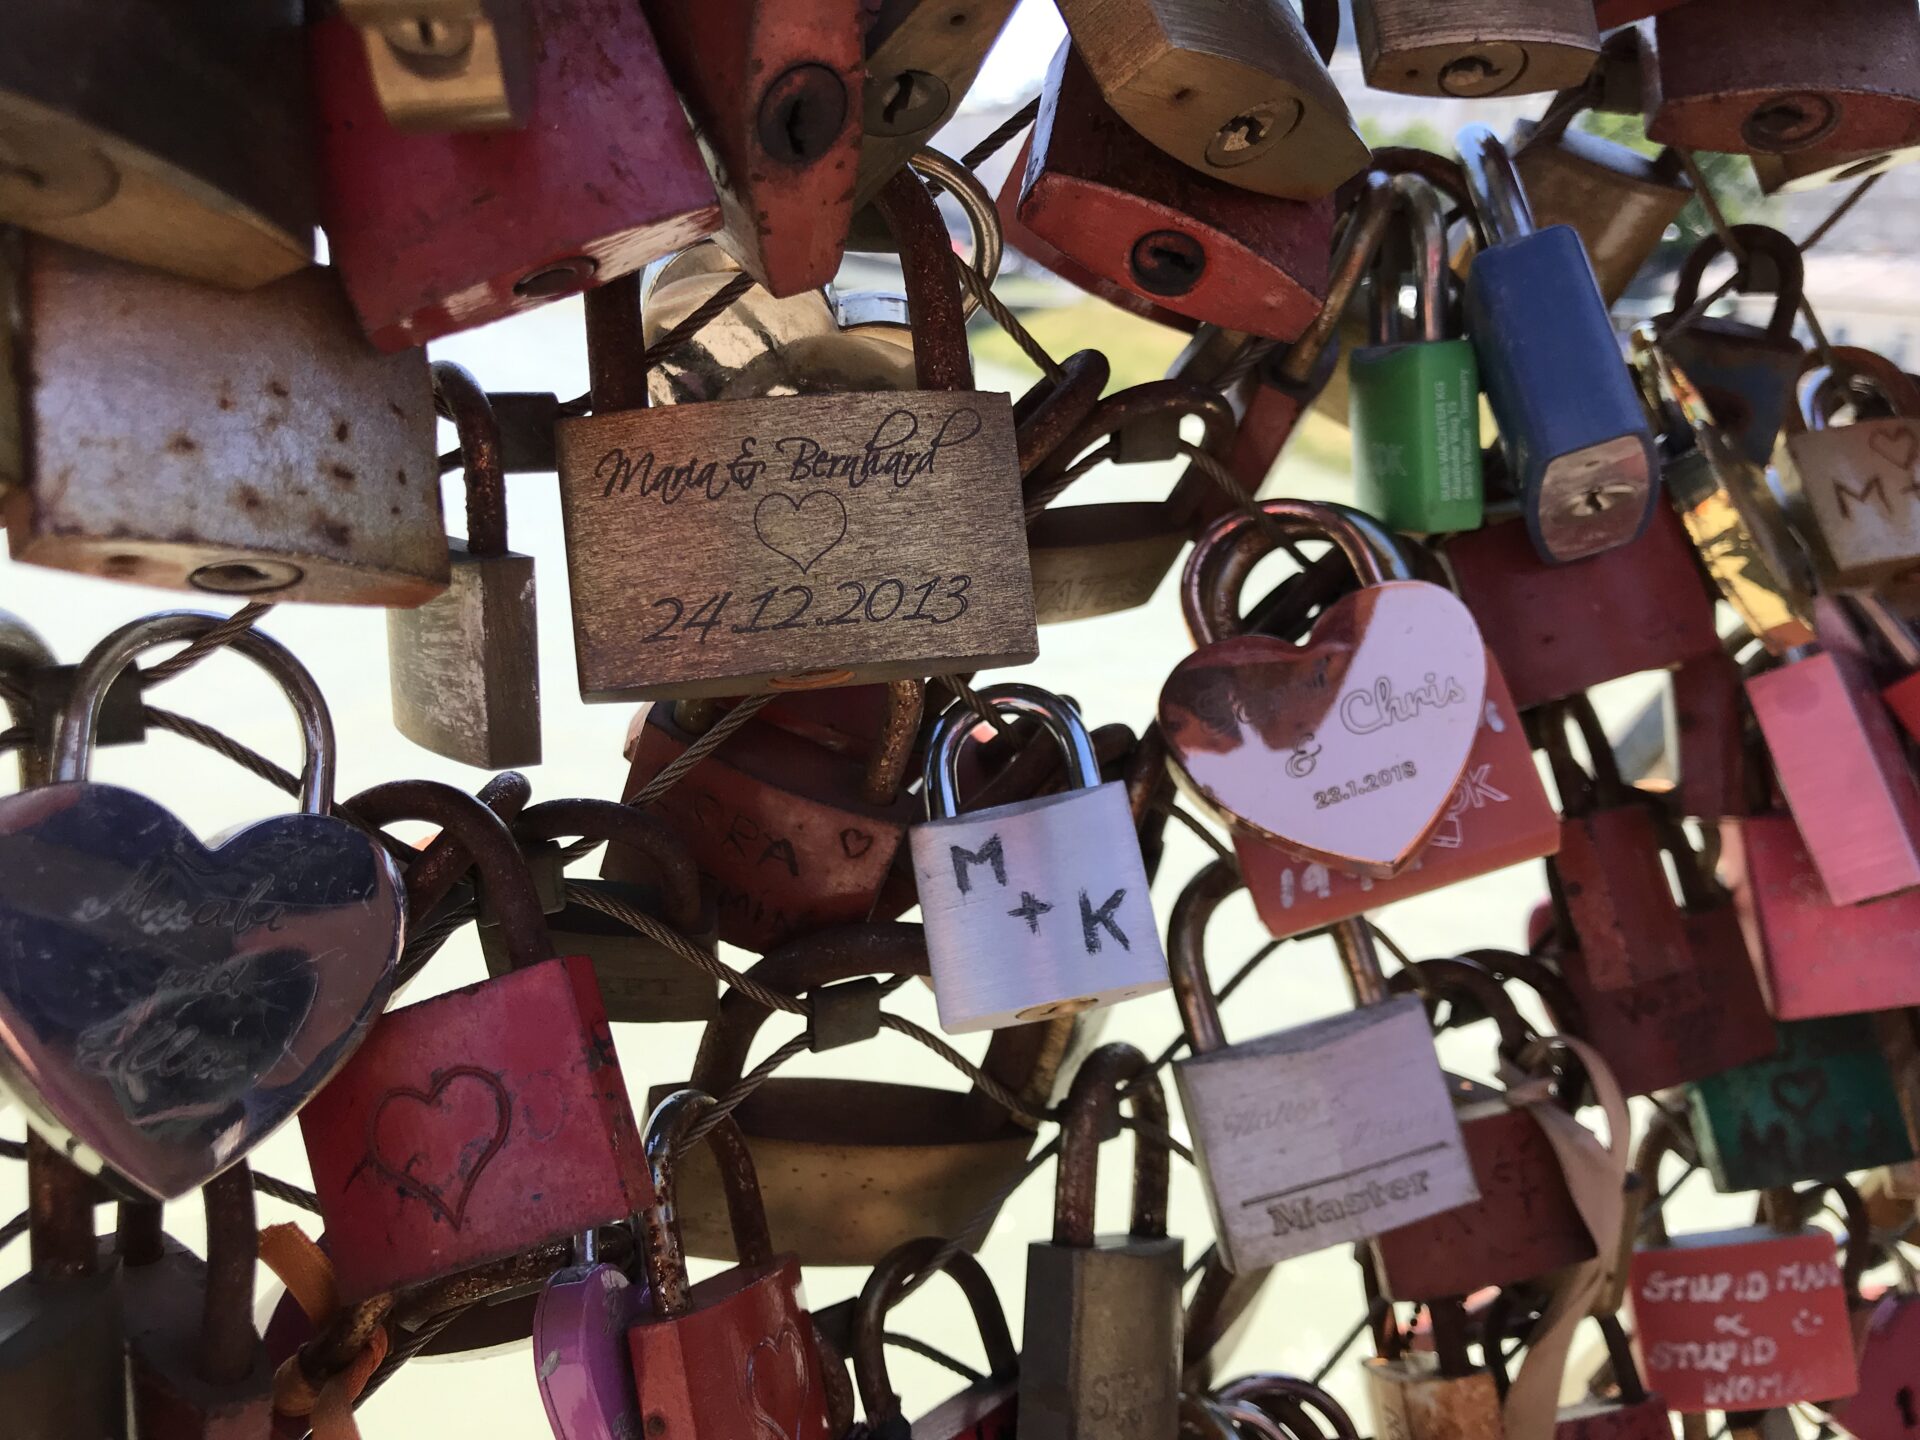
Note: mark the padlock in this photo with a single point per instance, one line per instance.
(1585, 468)
(465, 666)
(176, 136)
(1744, 373)
(1297, 1405)
(1525, 1224)
(1822, 1103)
(790, 835)
(1371, 721)
(1609, 13)
(1881, 1409)
(1110, 556)
(1610, 872)
(1100, 193)
(774, 94)
(1740, 1319)
(1743, 76)
(1858, 482)
(1554, 630)
(282, 941)
(62, 1354)
(1301, 1135)
(993, 965)
(448, 64)
(438, 233)
(1081, 1375)
(1437, 1394)
(486, 1120)
(907, 1160)
(1414, 48)
(985, 1410)
(283, 457)
(580, 1354)
(1801, 170)
(1244, 98)
(733, 1355)
(1415, 403)
(1902, 695)
(1706, 718)
(639, 978)
(1628, 1412)
(195, 1368)
(1840, 764)
(851, 460)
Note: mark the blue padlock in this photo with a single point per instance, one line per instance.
(1575, 434)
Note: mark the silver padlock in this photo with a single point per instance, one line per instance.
(1038, 908)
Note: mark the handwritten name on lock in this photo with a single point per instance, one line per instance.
(715, 545)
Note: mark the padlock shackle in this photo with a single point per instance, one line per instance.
(1447, 978)
(437, 869)
(956, 724)
(1146, 401)
(458, 396)
(884, 1289)
(1699, 888)
(1227, 550)
(1051, 410)
(1820, 385)
(485, 837)
(60, 1200)
(1493, 186)
(1091, 1114)
(228, 1342)
(940, 357)
(1626, 1374)
(1430, 273)
(662, 1253)
(1261, 1386)
(653, 839)
(983, 216)
(94, 676)
(1858, 1250)
(892, 752)
(1888, 624)
(1220, 1297)
(1366, 226)
(1665, 1135)
(1248, 1419)
(1789, 275)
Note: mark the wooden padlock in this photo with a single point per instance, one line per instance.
(1300, 1135)
(781, 502)
(437, 233)
(1437, 1394)
(1860, 482)
(1244, 98)
(285, 457)
(465, 666)
(1097, 191)
(176, 136)
(1418, 48)
(448, 64)
(1745, 76)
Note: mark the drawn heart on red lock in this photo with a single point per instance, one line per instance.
(779, 1384)
(476, 1117)
(1345, 749)
(1897, 444)
(801, 531)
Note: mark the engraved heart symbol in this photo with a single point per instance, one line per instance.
(1897, 444)
(779, 1384)
(1798, 1091)
(473, 1125)
(801, 531)
(855, 843)
(1346, 749)
(164, 1006)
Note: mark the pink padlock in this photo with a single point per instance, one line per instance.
(580, 1352)
(1886, 1406)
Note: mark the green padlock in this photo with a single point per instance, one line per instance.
(1821, 1106)
(1415, 405)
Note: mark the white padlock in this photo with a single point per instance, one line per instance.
(1038, 908)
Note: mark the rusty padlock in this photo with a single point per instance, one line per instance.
(448, 64)
(1520, 48)
(1437, 1394)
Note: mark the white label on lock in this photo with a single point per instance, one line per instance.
(1327, 1133)
(1036, 909)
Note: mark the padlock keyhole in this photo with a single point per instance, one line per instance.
(1903, 1398)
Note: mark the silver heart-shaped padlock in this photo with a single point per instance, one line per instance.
(165, 1005)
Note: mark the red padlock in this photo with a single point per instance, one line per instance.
(1707, 720)
(791, 835)
(1884, 1406)
(484, 1121)
(1901, 696)
(439, 232)
(1101, 193)
(1559, 629)
(735, 1355)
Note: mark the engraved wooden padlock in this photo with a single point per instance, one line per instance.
(806, 541)
(1418, 48)
(448, 64)
(1034, 909)
(465, 666)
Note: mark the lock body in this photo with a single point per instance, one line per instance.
(1416, 435)
(175, 137)
(1418, 48)
(1879, 1409)
(1745, 377)
(581, 1357)
(1081, 1373)
(1860, 484)
(1280, 1126)
(466, 665)
(285, 459)
(472, 1126)
(453, 65)
(1647, 1419)
(1102, 558)
(1820, 1106)
(164, 1301)
(1706, 716)
(437, 233)
(1617, 200)
(1613, 874)
(1412, 1400)
(62, 1360)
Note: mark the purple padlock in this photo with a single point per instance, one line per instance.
(580, 1350)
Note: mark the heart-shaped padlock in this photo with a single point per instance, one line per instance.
(1343, 750)
(165, 1005)
(580, 1348)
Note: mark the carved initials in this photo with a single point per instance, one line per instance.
(990, 853)
(1093, 921)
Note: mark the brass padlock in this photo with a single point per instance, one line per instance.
(1432, 1395)
(280, 455)
(1519, 47)
(1239, 94)
(465, 666)
(1810, 169)
(174, 133)
(448, 64)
